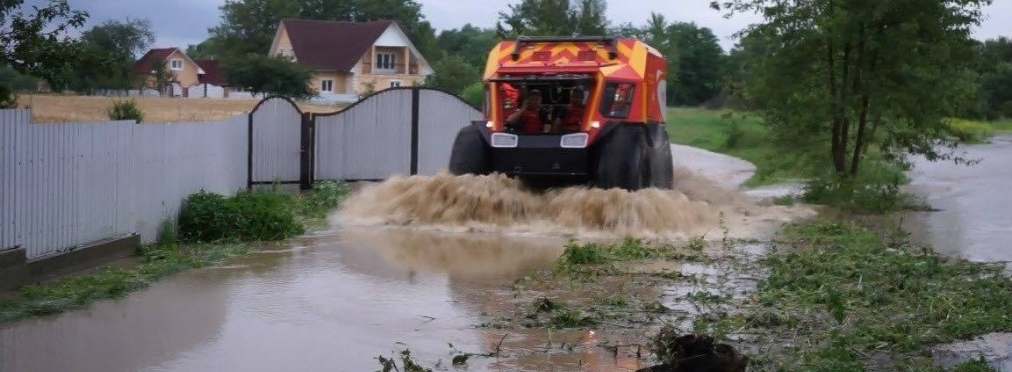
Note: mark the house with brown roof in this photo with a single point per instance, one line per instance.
(351, 59)
(191, 78)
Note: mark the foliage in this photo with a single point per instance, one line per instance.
(30, 42)
(862, 194)
(996, 90)
(474, 94)
(109, 50)
(884, 293)
(970, 131)
(553, 18)
(453, 74)
(155, 262)
(248, 216)
(324, 197)
(125, 110)
(161, 77)
(469, 42)
(841, 76)
(269, 75)
(700, 64)
(248, 25)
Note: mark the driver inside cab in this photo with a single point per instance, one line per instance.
(530, 118)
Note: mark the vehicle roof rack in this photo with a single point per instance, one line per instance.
(609, 40)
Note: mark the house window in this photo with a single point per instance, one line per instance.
(395, 83)
(327, 86)
(177, 64)
(386, 61)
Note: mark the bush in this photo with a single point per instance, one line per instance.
(247, 216)
(125, 110)
(970, 131)
(208, 217)
(875, 196)
(325, 196)
(474, 94)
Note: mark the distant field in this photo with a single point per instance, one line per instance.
(60, 109)
(1002, 125)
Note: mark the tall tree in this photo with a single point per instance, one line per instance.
(469, 42)
(33, 43)
(161, 77)
(700, 63)
(842, 74)
(109, 55)
(453, 73)
(553, 18)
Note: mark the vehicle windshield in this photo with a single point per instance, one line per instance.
(545, 106)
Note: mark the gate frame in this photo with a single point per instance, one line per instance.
(307, 146)
(307, 151)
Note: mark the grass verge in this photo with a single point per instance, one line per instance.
(169, 257)
(743, 135)
(843, 297)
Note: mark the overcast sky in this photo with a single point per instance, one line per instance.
(182, 22)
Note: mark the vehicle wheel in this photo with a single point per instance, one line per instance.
(470, 154)
(662, 172)
(623, 160)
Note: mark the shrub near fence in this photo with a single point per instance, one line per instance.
(70, 184)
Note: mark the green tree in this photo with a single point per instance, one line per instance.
(996, 90)
(270, 76)
(844, 74)
(31, 43)
(453, 74)
(700, 64)
(161, 77)
(553, 18)
(108, 55)
(470, 42)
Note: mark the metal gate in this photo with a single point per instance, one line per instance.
(397, 131)
(280, 143)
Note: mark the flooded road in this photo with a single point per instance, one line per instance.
(974, 219)
(337, 299)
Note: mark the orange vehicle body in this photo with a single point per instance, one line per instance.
(594, 111)
(621, 60)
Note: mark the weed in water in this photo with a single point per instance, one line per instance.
(324, 197)
(407, 363)
(587, 254)
(786, 200)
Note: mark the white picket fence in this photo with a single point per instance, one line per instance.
(67, 185)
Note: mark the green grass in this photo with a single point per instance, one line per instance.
(1004, 125)
(741, 135)
(840, 292)
(156, 261)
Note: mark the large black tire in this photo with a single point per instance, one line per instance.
(662, 167)
(470, 154)
(623, 159)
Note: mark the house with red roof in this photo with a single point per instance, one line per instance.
(191, 78)
(351, 59)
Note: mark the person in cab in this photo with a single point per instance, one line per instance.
(530, 118)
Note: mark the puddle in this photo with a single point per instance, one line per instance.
(416, 277)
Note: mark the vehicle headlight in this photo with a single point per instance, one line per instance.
(504, 140)
(575, 141)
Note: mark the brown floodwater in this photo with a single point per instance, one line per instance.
(413, 263)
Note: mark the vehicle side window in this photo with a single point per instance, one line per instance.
(616, 101)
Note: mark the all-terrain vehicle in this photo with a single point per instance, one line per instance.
(571, 110)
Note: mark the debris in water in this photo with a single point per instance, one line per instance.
(694, 353)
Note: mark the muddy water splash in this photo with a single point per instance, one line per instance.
(501, 204)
